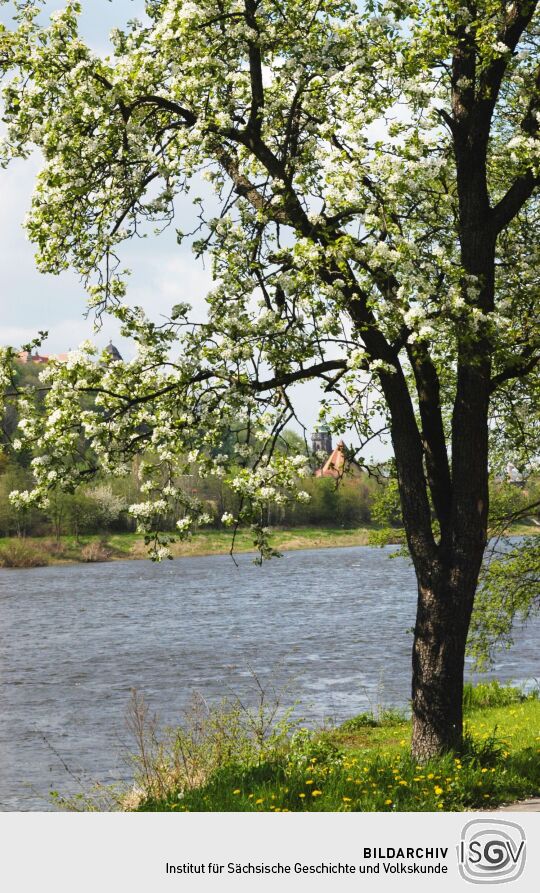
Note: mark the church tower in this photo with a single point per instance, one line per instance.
(321, 440)
(113, 352)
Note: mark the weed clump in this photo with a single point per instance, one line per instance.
(366, 765)
(95, 552)
(492, 694)
(234, 758)
(386, 717)
(20, 554)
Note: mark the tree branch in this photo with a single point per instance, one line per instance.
(523, 187)
(163, 103)
(255, 71)
(244, 187)
(519, 15)
(288, 378)
(521, 366)
(429, 400)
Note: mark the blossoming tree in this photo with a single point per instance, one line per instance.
(376, 168)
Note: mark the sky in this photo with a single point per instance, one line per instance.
(163, 273)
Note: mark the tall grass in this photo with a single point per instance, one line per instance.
(95, 552)
(364, 765)
(209, 739)
(492, 694)
(21, 554)
(368, 783)
(235, 758)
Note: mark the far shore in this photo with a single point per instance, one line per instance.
(41, 551)
(130, 546)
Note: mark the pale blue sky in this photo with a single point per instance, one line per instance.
(162, 272)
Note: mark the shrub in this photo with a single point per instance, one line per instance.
(492, 694)
(231, 758)
(20, 553)
(385, 717)
(485, 774)
(171, 762)
(318, 771)
(95, 552)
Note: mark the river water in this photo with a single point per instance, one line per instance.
(329, 624)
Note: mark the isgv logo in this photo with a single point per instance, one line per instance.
(491, 851)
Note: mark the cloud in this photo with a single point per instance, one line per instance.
(65, 336)
(164, 279)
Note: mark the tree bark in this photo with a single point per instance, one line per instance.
(442, 624)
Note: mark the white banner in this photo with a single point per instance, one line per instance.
(316, 851)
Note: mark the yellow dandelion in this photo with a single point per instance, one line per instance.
(316, 793)
(260, 800)
(387, 802)
(346, 799)
(438, 790)
(309, 781)
(301, 795)
(237, 791)
(431, 775)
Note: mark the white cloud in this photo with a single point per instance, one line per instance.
(168, 278)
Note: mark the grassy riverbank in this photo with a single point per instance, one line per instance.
(41, 551)
(363, 765)
(33, 551)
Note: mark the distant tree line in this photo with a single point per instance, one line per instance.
(358, 499)
(103, 506)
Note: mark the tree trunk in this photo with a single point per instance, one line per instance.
(442, 623)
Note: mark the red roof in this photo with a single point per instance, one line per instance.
(334, 465)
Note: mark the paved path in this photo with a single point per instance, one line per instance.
(532, 805)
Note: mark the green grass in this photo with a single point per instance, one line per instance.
(213, 542)
(365, 765)
(17, 554)
(68, 550)
(205, 542)
(493, 694)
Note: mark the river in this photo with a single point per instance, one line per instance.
(331, 624)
